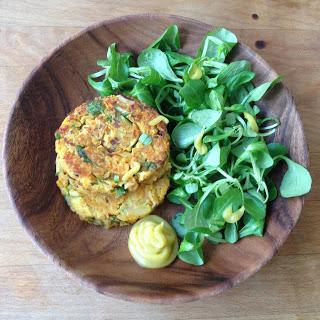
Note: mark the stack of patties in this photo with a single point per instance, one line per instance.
(113, 160)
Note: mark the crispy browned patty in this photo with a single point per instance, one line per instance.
(98, 144)
(111, 209)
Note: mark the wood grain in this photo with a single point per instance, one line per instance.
(293, 14)
(276, 292)
(100, 257)
(281, 291)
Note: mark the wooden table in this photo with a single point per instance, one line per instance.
(32, 287)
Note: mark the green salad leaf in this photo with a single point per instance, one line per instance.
(118, 64)
(205, 118)
(169, 40)
(191, 249)
(143, 93)
(296, 181)
(254, 206)
(193, 93)
(252, 227)
(157, 60)
(257, 93)
(217, 44)
(231, 232)
(176, 58)
(221, 163)
(184, 135)
(213, 157)
(177, 222)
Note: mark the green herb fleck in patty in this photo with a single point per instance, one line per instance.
(95, 107)
(83, 154)
(145, 139)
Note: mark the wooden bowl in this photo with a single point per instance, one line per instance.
(100, 257)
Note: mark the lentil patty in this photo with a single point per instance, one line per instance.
(113, 160)
(109, 143)
(113, 210)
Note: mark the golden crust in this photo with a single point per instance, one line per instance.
(109, 209)
(110, 144)
(106, 174)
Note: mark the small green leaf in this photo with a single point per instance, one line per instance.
(190, 250)
(178, 196)
(177, 176)
(116, 178)
(215, 99)
(142, 93)
(145, 139)
(230, 119)
(103, 87)
(157, 60)
(216, 238)
(252, 227)
(194, 257)
(205, 118)
(273, 192)
(176, 58)
(264, 160)
(57, 135)
(200, 215)
(217, 44)
(119, 68)
(277, 149)
(191, 187)
(169, 40)
(147, 76)
(238, 108)
(254, 206)
(296, 181)
(224, 154)
(256, 148)
(212, 158)
(241, 149)
(184, 135)
(239, 80)
(193, 93)
(215, 138)
(182, 158)
(177, 222)
(231, 70)
(257, 93)
(103, 63)
(186, 246)
(231, 232)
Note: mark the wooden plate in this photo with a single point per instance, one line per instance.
(100, 257)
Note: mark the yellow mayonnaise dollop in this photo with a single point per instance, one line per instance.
(153, 243)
